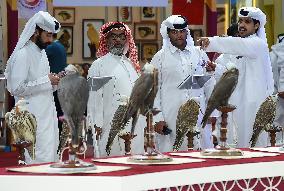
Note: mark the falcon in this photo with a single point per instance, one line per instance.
(23, 125)
(221, 92)
(117, 122)
(140, 102)
(186, 121)
(73, 94)
(143, 95)
(264, 118)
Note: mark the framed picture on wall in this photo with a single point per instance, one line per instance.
(145, 31)
(148, 50)
(196, 34)
(148, 13)
(90, 33)
(65, 36)
(64, 15)
(124, 14)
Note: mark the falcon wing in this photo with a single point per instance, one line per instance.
(264, 117)
(140, 91)
(149, 101)
(186, 121)
(29, 131)
(117, 125)
(73, 94)
(221, 93)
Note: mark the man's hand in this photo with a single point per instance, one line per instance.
(203, 42)
(210, 66)
(281, 95)
(54, 79)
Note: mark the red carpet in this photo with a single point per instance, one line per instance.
(8, 159)
(11, 158)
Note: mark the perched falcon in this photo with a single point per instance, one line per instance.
(143, 95)
(117, 122)
(73, 94)
(140, 102)
(221, 92)
(23, 125)
(264, 118)
(186, 121)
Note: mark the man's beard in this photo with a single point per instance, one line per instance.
(40, 43)
(116, 49)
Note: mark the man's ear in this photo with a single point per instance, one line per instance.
(36, 33)
(256, 26)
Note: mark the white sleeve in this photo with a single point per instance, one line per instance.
(209, 85)
(208, 88)
(248, 47)
(273, 60)
(95, 101)
(157, 62)
(280, 64)
(203, 54)
(221, 63)
(20, 86)
(219, 70)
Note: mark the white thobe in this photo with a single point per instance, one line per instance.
(255, 83)
(29, 80)
(277, 62)
(174, 66)
(103, 103)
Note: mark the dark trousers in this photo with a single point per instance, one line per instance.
(58, 109)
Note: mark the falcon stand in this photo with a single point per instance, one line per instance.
(222, 149)
(97, 131)
(127, 137)
(20, 146)
(190, 138)
(73, 164)
(272, 134)
(151, 155)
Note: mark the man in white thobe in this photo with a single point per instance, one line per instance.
(115, 41)
(277, 61)
(251, 57)
(178, 59)
(28, 76)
